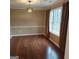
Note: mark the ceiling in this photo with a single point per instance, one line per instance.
(36, 4)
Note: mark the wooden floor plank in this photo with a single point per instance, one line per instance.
(34, 47)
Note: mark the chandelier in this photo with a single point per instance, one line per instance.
(29, 9)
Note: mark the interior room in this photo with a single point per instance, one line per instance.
(39, 29)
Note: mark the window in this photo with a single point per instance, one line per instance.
(55, 21)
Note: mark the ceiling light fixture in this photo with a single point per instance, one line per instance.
(29, 9)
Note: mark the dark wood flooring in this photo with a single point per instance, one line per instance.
(34, 47)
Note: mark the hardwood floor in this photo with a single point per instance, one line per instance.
(34, 47)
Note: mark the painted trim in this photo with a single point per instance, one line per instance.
(54, 42)
(25, 26)
(27, 34)
(14, 57)
(11, 36)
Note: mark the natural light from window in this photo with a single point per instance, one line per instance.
(55, 21)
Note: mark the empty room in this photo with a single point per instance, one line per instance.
(39, 29)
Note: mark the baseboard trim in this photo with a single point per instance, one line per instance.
(27, 34)
(14, 57)
(11, 36)
(54, 43)
(26, 26)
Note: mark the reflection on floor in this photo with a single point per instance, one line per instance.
(34, 47)
(51, 54)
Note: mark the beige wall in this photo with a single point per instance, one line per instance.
(23, 22)
(67, 46)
